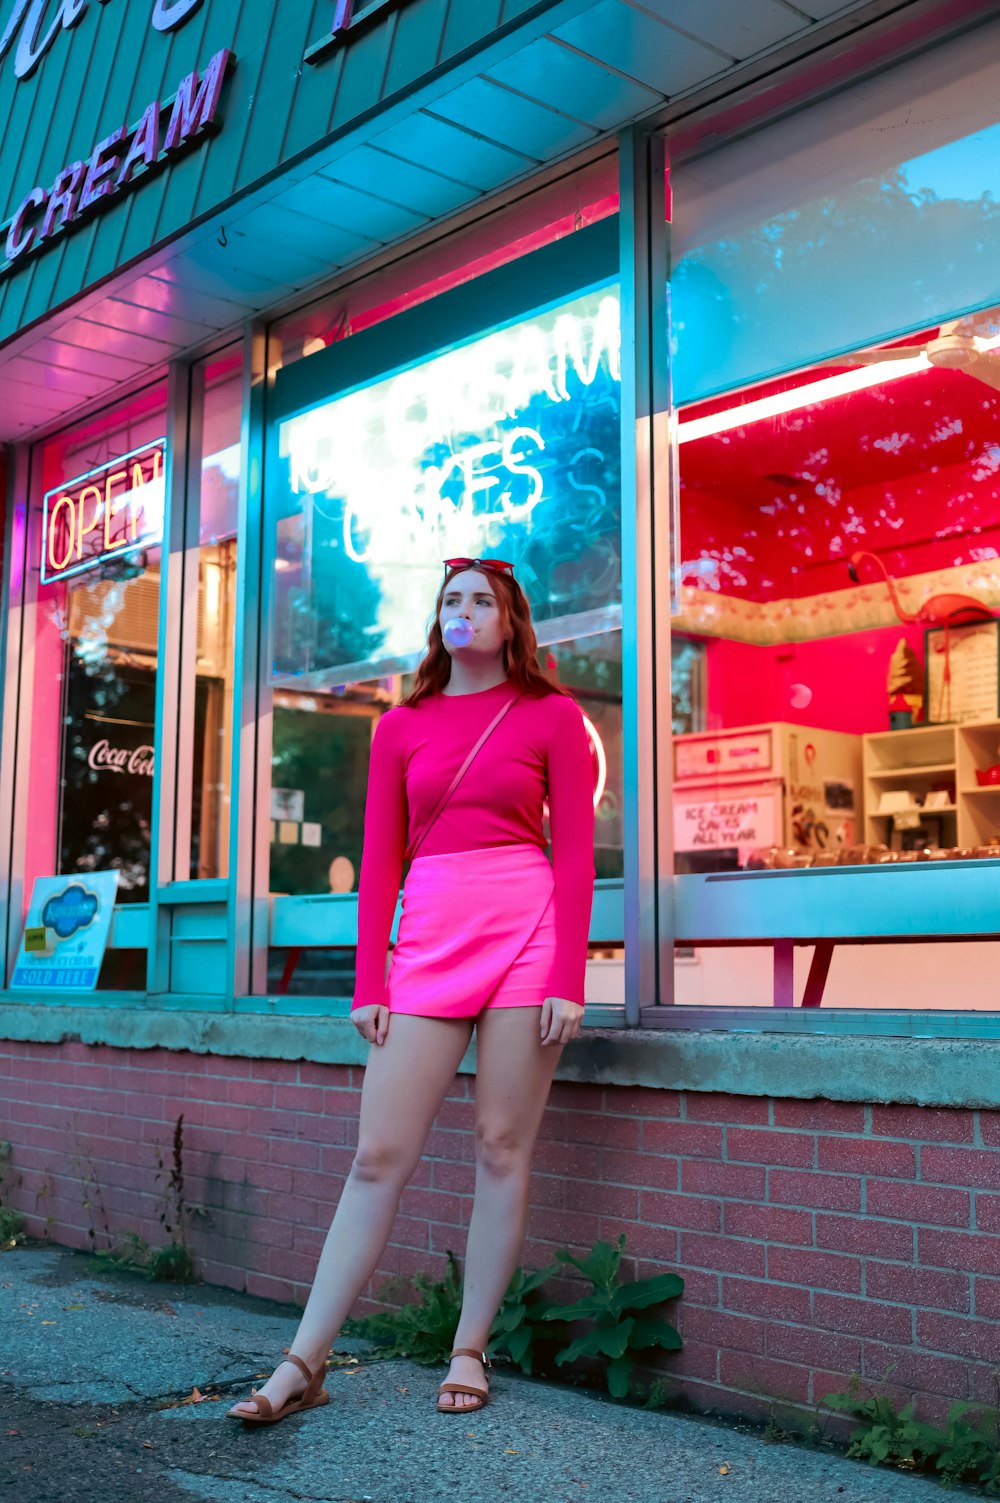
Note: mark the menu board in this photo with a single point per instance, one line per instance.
(972, 654)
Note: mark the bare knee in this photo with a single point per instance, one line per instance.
(379, 1161)
(502, 1151)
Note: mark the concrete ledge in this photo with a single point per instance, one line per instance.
(923, 1072)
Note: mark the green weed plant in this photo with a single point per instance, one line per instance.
(965, 1449)
(620, 1332)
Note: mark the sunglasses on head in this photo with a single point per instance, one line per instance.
(498, 565)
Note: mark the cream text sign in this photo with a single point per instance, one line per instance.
(35, 24)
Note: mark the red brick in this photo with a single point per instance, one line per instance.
(820, 1116)
(458, 1177)
(693, 1212)
(815, 1270)
(917, 1286)
(571, 1096)
(711, 1106)
(700, 1286)
(969, 1252)
(550, 1190)
(720, 1329)
(923, 1124)
(341, 1103)
(727, 1254)
(656, 1243)
(649, 1171)
(863, 1317)
(446, 1143)
(812, 1348)
(977, 1167)
(640, 1101)
(829, 1192)
(605, 1200)
(918, 1203)
(575, 1229)
(685, 1139)
(457, 1114)
(736, 1181)
(868, 1156)
(757, 1146)
(982, 1383)
(965, 1336)
(299, 1099)
(913, 1371)
(987, 1299)
(861, 1234)
(587, 1127)
(762, 1375)
(769, 1223)
(295, 1153)
(989, 1128)
(573, 1160)
(701, 1360)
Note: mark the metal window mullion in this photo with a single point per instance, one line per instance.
(168, 674)
(187, 590)
(645, 532)
(250, 769)
(20, 600)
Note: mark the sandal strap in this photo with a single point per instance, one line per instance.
(470, 1351)
(297, 1362)
(263, 1405)
(479, 1393)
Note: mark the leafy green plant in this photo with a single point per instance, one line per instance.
(133, 1253)
(964, 1449)
(11, 1227)
(519, 1319)
(423, 1330)
(617, 1332)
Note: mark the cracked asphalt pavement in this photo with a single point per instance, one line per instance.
(95, 1366)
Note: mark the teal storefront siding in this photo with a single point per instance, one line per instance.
(275, 107)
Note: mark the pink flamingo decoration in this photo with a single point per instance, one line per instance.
(944, 610)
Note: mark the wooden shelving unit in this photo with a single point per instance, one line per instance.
(931, 757)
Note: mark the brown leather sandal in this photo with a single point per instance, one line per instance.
(314, 1397)
(481, 1394)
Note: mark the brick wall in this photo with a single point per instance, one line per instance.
(816, 1238)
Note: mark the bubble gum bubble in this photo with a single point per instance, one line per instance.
(458, 633)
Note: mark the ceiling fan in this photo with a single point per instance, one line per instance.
(957, 346)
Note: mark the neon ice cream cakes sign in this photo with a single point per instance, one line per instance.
(506, 446)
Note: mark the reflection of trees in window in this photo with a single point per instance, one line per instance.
(325, 754)
(329, 613)
(687, 684)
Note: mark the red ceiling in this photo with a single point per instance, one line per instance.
(909, 469)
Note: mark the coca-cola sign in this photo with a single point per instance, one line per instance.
(137, 760)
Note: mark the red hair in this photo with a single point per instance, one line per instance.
(520, 653)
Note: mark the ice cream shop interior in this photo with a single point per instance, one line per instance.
(715, 364)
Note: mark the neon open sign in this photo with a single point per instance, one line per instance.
(112, 510)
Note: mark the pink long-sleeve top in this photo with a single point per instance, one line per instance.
(540, 750)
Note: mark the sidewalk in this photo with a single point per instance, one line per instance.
(87, 1358)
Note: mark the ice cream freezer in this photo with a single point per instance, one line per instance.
(752, 787)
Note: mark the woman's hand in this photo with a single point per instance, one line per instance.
(372, 1022)
(560, 1020)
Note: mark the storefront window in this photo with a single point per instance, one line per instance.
(508, 445)
(839, 531)
(206, 727)
(85, 769)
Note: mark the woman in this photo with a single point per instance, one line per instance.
(491, 937)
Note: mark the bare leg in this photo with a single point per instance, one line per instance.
(513, 1076)
(405, 1081)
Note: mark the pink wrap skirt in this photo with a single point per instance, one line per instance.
(477, 930)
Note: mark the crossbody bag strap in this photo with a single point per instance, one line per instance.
(415, 844)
